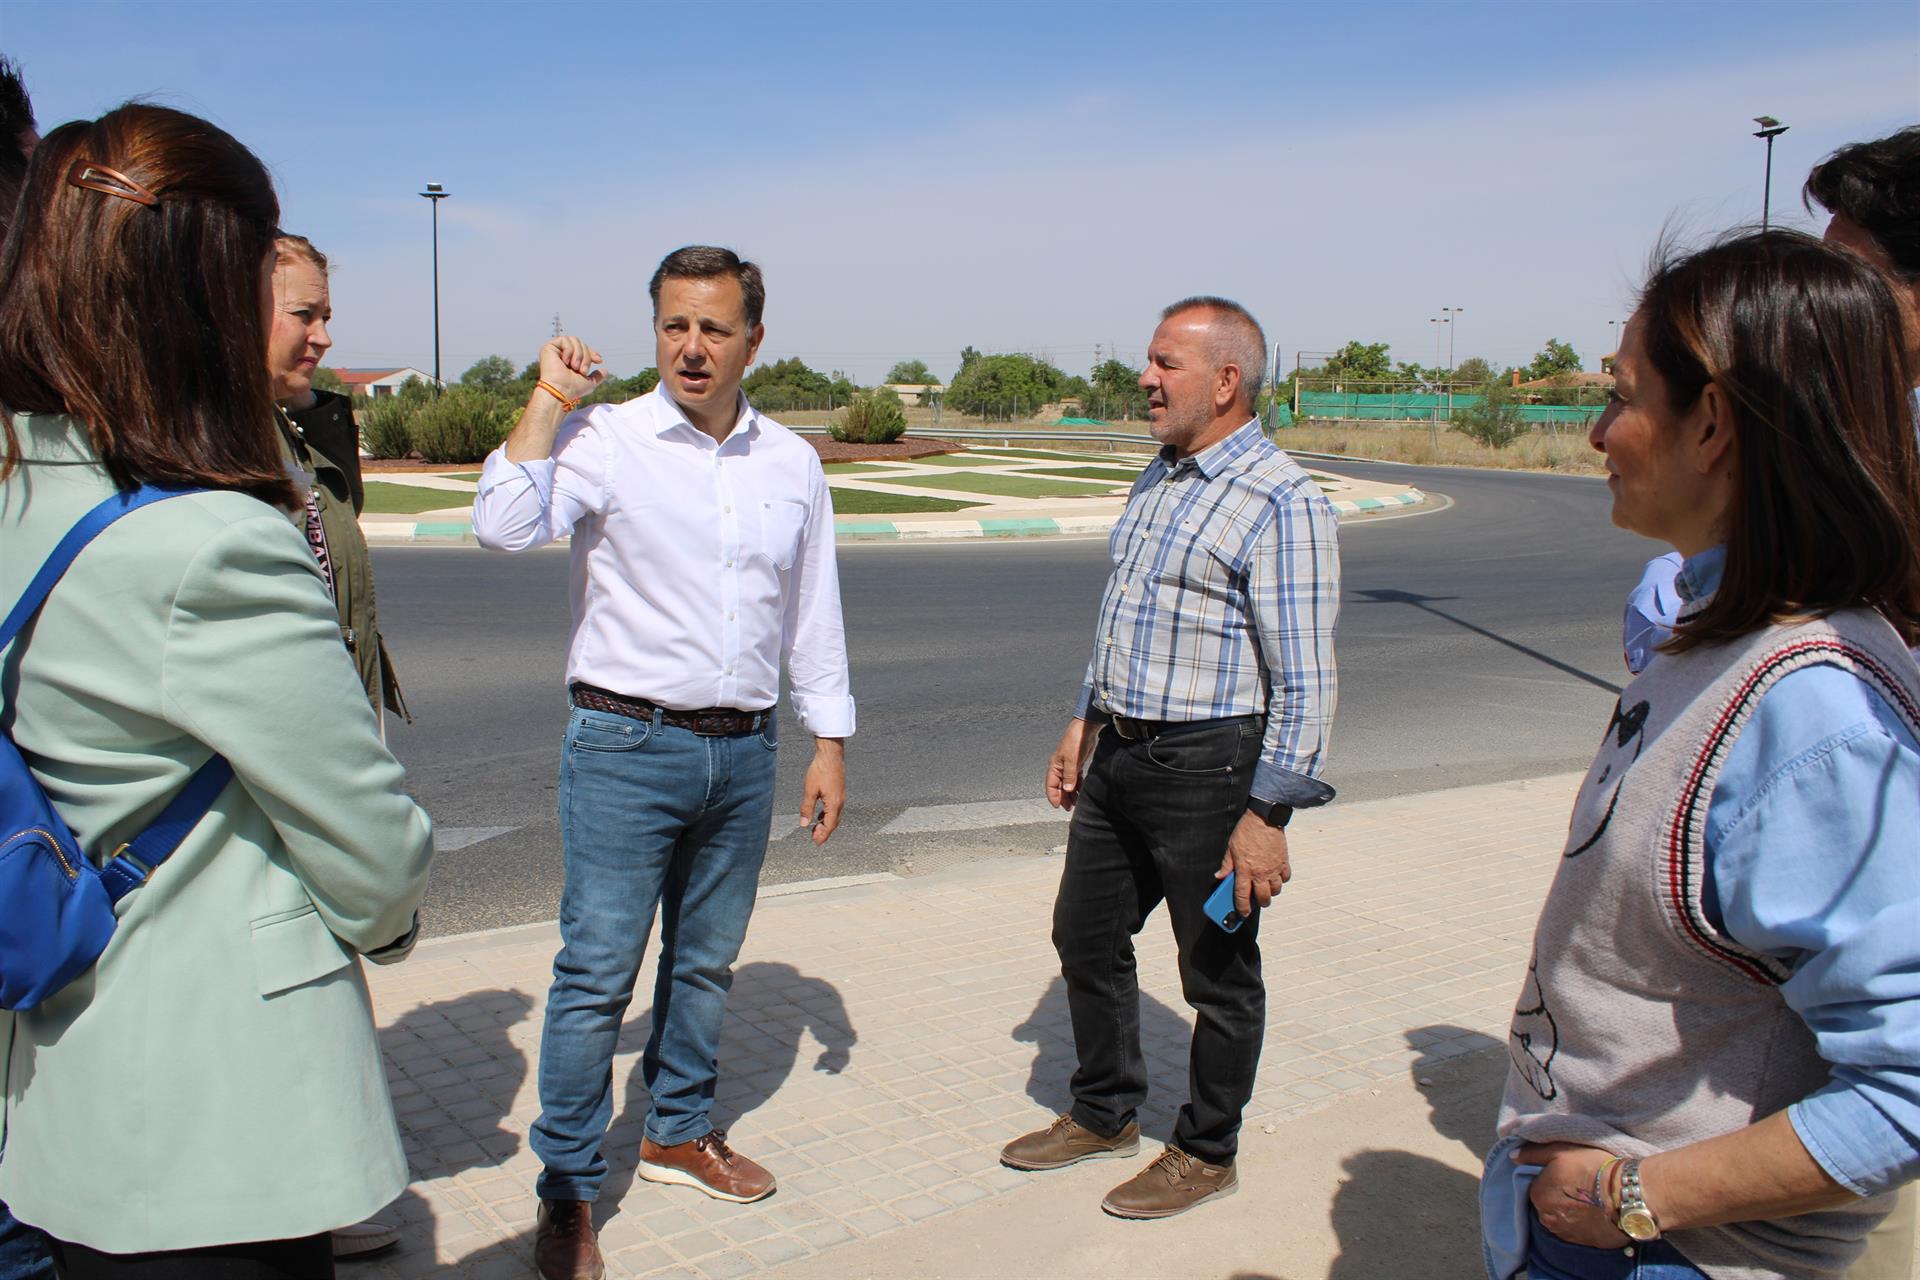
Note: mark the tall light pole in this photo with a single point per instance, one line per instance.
(1769, 129)
(1433, 419)
(434, 194)
(1453, 315)
(1613, 336)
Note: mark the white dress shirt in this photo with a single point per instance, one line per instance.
(698, 568)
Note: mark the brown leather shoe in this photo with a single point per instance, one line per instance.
(1066, 1141)
(1174, 1183)
(564, 1246)
(707, 1164)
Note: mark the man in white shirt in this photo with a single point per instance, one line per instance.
(702, 561)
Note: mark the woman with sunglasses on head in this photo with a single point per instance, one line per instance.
(207, 1100)
(1716, 1050)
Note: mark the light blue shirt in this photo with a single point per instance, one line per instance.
(1812, 857)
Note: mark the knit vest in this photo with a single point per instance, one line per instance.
(1641, 1027)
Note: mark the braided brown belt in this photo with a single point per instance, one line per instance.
(709, 722)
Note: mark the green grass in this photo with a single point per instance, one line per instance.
(865, 502)
(1115, 474)
(1037, 453)
(844, 468)
(1007, 486)
(955, 460)
(409, 499)
(465, 475)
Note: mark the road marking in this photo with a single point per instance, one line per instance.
(447, 839)
(972, 817)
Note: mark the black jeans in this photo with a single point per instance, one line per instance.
(1152, 823)
(307, 1259)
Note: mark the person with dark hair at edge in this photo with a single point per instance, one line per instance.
(208, 1097)
(1716, 1049)
(1871, 190)
(1201, 726)
(703, 563)
(23, 1250)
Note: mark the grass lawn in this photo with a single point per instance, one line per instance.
(957, 460)
(473, 476)
(865, 502)
(1044, 456)
(844, 468)
(409, 499)
(1008, 486)
(1116, 474)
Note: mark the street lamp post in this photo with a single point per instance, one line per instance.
(434, 194)
(1769, 129)
(1453, 316)
(1433, 419)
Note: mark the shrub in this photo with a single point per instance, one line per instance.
(874, 417)
(1495, 420)
(383, 425)
(463, 425)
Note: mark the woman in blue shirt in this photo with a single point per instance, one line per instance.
(1716, 1051)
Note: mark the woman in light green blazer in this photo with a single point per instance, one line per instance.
(214, 1083)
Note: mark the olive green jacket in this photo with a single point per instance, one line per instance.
(216, 1076)
(325, 444)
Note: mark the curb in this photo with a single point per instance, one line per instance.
(858, 530)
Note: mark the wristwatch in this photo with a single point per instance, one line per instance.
(1271, 812)
(1635, 1218)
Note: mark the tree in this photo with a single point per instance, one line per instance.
(1359, 362)
(911, 373)
(328, 380)
(1114, 391)
(1493, 420)
(1556, 357)
(1473, 371)
(531, 374)
(1005, 386)
(490, 372)
(967, 356)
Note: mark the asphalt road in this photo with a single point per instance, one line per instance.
(1477, 643)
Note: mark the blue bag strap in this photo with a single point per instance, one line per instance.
(129, 867)
(85, 530)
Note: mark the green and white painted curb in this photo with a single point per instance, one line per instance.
(856, 529)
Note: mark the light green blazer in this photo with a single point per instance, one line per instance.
(216, 1077)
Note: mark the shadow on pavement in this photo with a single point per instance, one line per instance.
(771, 1007)
(457, 1053)
(1164, 1040)
(1425, 604)
(1402, 1216)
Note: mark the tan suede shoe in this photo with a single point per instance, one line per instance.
(1066, 1141)
(1174, 1183)
(707, 1164)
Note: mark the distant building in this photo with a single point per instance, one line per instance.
(374, 383)
(912, 393)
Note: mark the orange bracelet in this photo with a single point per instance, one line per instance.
(566, 405)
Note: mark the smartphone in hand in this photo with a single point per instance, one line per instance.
(1220, 908)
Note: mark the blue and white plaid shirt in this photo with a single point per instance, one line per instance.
(1223, 601)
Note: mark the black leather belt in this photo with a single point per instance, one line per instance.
(1133, 730)
(709, 722)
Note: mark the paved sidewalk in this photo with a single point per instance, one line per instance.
(886, 1036)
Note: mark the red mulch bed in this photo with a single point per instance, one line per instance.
(905, 449)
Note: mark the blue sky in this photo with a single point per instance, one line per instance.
(1030, 176)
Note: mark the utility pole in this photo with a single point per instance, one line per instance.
(557, 330)
(435, 193)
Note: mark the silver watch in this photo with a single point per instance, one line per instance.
(1635, 1218)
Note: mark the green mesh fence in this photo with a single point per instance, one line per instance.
(1372, 406)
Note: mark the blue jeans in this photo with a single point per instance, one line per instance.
(651, 817)
(23, 1250)
(1551, 1258)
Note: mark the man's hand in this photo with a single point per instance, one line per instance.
(1563, 1194)
(825, 793)
(1069, 762)
(1257, 860)
(567, 363)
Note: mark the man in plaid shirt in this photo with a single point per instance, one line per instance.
(1201, 726)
